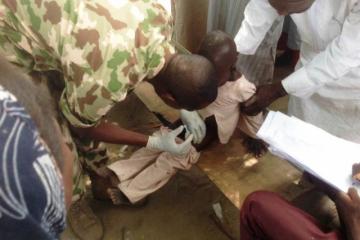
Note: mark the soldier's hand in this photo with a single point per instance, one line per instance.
(167, 142)
(348, 206)
(195, 124)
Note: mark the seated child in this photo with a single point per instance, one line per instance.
(223, 116)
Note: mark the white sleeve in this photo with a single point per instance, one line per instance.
(340, 56)
(258, 18)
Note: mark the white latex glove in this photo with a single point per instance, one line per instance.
(194, 124)
(167, 142)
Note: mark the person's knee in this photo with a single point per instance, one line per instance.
(252, 206)
(258, 200)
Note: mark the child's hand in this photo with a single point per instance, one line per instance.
(167, 142)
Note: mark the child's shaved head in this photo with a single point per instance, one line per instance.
(220, 49)
(213, 42)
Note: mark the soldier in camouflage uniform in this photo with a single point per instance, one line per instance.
(103, 48)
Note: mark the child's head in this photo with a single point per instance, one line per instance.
(220, 49)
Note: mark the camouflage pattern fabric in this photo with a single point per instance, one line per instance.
(78, 177)
(103, 48)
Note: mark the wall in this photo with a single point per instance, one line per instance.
(190, 22)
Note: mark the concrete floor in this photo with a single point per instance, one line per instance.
(182, 210)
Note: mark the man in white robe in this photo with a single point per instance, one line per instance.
(324, 90)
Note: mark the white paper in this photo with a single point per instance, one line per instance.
(311, 149)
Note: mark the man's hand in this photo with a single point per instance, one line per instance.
(348, 206)
(321, 185)
(194, 124)
(263, 97)
(166, 141)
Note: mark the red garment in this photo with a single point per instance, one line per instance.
(265, 215)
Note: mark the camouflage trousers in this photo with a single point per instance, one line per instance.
(78, 179)
(88, 156)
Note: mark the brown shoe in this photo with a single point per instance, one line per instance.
(119, 199)
(83, 222)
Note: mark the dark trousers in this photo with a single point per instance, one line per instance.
(265, 215)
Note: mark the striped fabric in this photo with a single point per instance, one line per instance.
(32, 202)
(227, 16)
(259, 68)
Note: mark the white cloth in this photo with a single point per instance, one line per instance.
(312, 149)
(325, 88)
(226, 109)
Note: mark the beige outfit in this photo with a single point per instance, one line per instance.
(226, 109)
(146, 170)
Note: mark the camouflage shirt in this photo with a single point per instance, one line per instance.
(103, 47)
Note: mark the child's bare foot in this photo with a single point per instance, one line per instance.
(117, 197)
(101, 180)
(255, 146)
(105, 187)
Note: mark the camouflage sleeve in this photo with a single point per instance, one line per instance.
(44, 35)
(117, 45)
(158, 31)
(31, 32)
(102, 47)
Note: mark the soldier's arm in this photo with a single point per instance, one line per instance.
(110, 133)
